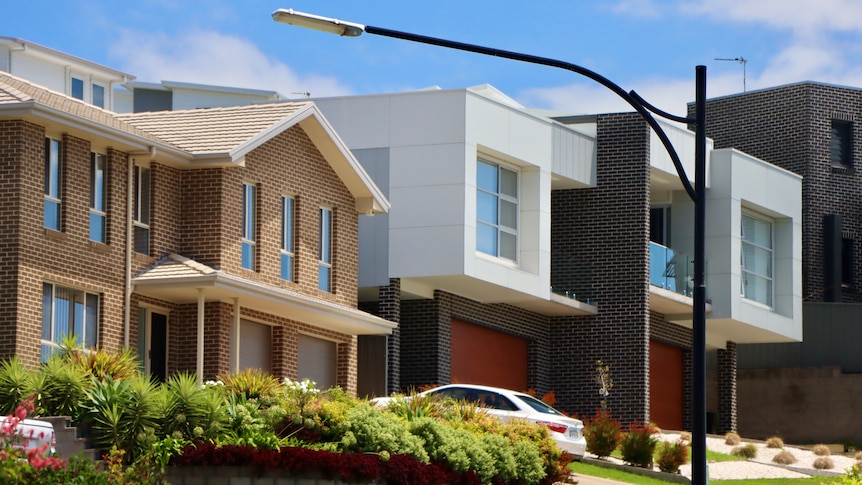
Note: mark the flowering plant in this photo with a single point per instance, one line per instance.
(17, 458)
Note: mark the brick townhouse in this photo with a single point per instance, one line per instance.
(807, 391)
(208, 240)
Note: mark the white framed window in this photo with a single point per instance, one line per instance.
(141, 209)
(67, 312)
(757, 259)
(53, 170)
(288, 237)
(324, 255)
(98, 198)
(249, 236)
(496, 210)
(98, 95)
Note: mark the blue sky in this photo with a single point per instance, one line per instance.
(651, 46)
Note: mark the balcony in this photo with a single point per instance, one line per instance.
(671, 270)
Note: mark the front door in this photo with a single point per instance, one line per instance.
(158, 346)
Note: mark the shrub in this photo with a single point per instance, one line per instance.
(671, 456)
(62, 387)
(190, 412)
(638, 445)
(371, 430)
(100, 363)
(16, 384)
(602, 433)
(458, 447)
(253, 383)
(784, 458)
(731, 439)
(821, 450)
(775, 442)
(853, 476)
(823, 463)
(748, 451)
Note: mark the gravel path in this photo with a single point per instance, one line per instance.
(762, 466)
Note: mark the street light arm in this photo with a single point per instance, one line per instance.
(633, 99)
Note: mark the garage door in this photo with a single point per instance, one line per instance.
(317, 359)
(255, 346)
(665, 380)
(484, 356)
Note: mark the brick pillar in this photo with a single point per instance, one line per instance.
(687, 389)
(727, 389)
(390, 309)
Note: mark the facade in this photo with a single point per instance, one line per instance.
(805, 391)
(61, 72)
(209, 240)
(138, 96)
(522, 249)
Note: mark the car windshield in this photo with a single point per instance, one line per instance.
(538, 405)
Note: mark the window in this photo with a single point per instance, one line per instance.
(248, 226)
(324, 264)
(287, 237)
(52, 183)
(68, 313)
(142, 209)
(841, 146)
(98, 185)
(99, 95)
(77, 88)
(496, 210)
(756, 256)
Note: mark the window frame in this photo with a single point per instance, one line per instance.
(94, 97)
(841, 143)
(80, 318)
(142, 208)
(324, 250)
(287, 251)
(53, 196)
(768, 278)
(249, 226)
(99, 197)
(500, 198)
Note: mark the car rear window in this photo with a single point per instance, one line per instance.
(538, 405)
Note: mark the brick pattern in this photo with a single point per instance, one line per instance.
(390, 309)
(608, 227)
(727, 389)
(790, 126)
(194, 212)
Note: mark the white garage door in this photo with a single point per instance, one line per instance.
(255, 346)
(317, 359)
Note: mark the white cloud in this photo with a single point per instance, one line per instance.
(796, 15)
(636, 8)
(208, 57)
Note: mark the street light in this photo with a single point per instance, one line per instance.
(646, 111)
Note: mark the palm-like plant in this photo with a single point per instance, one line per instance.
(16, 384)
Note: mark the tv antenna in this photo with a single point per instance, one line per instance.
(304, 94)
(740, 60)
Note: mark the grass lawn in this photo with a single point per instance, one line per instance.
(621, 476)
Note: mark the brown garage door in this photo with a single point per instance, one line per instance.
(665, 381)
(483, 356)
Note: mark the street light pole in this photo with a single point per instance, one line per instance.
(646, 111)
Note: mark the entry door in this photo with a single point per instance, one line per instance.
(153, 343)
(158, 346)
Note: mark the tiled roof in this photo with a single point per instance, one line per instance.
(14, 90)
(213, 130)
(175, 266)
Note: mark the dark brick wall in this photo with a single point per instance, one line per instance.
(790, 126)
(425, 334)
(726, 389)
(608, 226)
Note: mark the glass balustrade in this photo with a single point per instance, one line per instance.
(671, 270)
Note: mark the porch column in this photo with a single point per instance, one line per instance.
(234, 365)
(726, 389)
(200, 356)
(390, 309)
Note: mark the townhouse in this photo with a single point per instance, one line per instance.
(209, 240)
(523, 248)
(807, 391)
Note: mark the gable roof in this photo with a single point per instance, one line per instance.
(203, 137)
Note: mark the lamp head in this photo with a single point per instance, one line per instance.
(316, 22)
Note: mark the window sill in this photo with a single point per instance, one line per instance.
(55, 235)
(99, 247)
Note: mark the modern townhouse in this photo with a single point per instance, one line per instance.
(521, 249)
(61, 72)
(209, 240)
(807, 391)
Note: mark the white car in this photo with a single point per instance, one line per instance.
(31, 434)
(505, 404)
